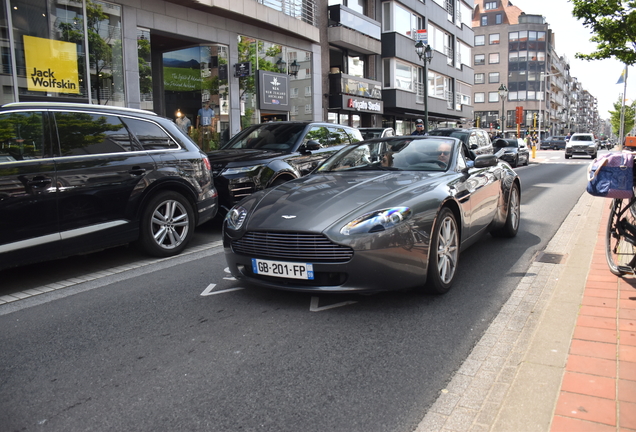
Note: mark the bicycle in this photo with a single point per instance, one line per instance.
(620, 237)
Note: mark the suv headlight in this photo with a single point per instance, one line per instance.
(377, 221)
(241, 170)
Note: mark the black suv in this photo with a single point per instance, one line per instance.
(475, 139)
(269, 154)
(75, 178)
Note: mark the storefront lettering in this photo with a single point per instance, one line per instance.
(364, 105)
(39, 78)
(51, 65)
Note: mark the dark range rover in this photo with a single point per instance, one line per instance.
(269, 154)
(75, 178)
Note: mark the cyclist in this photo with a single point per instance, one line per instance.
(419, 128)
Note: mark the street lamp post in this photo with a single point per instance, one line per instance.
(426, 54)
(503, 92)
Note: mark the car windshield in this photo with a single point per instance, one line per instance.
(371, 133)
(407, 154)
(510, 142)
(267, 136)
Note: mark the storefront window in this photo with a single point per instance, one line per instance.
(193, 77)
(267, 56)
(7, 94)
(40, 32)
(50, 50)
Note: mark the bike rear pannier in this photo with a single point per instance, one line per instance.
(612, 176)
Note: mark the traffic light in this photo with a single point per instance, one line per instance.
(497, 125)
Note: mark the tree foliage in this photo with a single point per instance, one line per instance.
(613, 27)
(628, 120)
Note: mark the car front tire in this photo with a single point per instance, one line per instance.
(167, 224)
(444, 253)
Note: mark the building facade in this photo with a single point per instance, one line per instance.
(344, 61)
(167, 56)
(518, 51)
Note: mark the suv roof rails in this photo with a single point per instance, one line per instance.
(75, 105)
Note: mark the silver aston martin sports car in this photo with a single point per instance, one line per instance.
(384, 214)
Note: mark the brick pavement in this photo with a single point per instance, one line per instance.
(561, 354)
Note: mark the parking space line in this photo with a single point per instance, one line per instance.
(9, 298)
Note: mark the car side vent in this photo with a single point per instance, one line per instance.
(292, 246)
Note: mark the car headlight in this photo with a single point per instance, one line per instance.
(241, 170)
(377, 221)
(235, 217)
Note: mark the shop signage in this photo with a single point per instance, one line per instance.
(364, 105)
(51, 65)
(242, 70)
(273, 91)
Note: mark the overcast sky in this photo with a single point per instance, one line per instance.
(599, 76)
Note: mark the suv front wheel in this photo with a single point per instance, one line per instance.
(166, 225)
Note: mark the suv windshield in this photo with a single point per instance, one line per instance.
(267, 136)
(582, 138)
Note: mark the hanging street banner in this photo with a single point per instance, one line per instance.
(51, 65)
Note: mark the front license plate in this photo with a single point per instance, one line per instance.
(283, 269)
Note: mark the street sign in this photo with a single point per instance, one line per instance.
(422, 35)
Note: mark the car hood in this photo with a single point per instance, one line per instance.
(242, 157)
(316, 202)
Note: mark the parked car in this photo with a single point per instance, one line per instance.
(477, 140)
(87, 177)
(384, 214)
(370, 132)
(512, 150)
(269, 154)
(553, 142)
(581, 144)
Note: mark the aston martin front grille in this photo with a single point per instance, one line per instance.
(291, 246)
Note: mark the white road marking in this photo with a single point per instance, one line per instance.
(314, 305)
(208, 290)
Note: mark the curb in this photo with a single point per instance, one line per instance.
(512, 377)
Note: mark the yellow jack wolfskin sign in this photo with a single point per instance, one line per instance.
(51, 65)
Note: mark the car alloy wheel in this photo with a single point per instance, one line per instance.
(444, 252)
(167, 224)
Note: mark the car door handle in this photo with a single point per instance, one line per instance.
(137, 171)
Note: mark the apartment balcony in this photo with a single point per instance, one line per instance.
(351, 30)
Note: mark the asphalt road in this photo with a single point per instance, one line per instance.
(180, 345)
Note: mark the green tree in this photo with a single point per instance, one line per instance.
(251, 50)
(145, 71)
(613, 27)
(629, 119)
(100, 50)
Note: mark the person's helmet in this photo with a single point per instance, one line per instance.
(419, 121)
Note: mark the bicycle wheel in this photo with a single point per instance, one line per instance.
(619, 253)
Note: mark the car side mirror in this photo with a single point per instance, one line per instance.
(485, 161)
(311, 145)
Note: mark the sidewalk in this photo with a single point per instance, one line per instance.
(561, 354)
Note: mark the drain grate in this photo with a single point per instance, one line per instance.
(551, 258)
